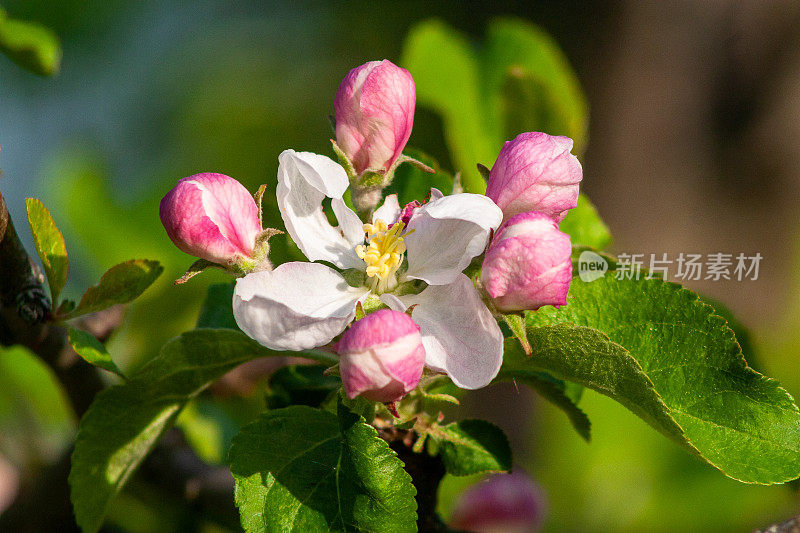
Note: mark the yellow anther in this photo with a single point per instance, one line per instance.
(383, 253)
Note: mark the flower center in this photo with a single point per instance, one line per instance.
(383, 254)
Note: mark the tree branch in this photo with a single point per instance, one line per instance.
(426, 474)
(24, 313)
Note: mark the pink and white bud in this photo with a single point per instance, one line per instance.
(503, 503)
(211, 216)
(374, 109)
(528, 264)
(535, 172)
(381, 356)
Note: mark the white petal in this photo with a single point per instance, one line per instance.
(448, 233)
(304, 181)
(349, 223)
(389, 211)
(435, 194)
(460, 335)
(393, 302)
(295, 307)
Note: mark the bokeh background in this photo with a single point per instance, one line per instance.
(693, 139)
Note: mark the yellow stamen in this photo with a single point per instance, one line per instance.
(383, 253)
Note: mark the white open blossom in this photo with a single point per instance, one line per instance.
(302, 305)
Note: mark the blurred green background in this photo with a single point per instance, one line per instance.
(692, 143)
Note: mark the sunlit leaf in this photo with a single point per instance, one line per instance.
(301, 469)
(36, 420)
(30, 45)
(447, 78)
(92, 350)
(660, 351)
(473, 446)
(124, 422)
(585, 227)
(120, 284)
(49, 245)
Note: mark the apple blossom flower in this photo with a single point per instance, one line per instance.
(535, 172)
(213, 217)
(503, 503)
(374, 110)
(302, 305)
(528, 264)
(381, 356)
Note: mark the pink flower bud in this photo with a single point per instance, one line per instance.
(211, 216)
(507, 503)
(381, 356)
(535, 172)
(374, 109)
(528, 264)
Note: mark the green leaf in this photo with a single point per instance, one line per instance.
(301, 385)
(302, 469)
(411, 183)
(518, 81)
(664, 354)
(30, 45)
(516, 323)
(92, 350)
(447, 79)
(585, 227)
(472, 447)
(530, 83)
(124, 422)
(36, 420)
(217, 310)
(564, 395)
(207, 428)
(120, 284)
(49, 245)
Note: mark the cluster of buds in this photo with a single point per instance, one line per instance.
(535, 182)
(527, 264)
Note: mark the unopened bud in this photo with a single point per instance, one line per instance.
(381, 356)
(503, 503)
(213, 217)
(535, 172)
(374, 109)
(528, 264)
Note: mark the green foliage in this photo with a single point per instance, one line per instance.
(585, 227)
(207, 428)
(518, 81)
(36, 420)
(301, 385)
(92, 350)
(301, 469)
(447, 79)
(564, 395)
(49, 245)
(657, 349)
(531, 84)
(121, 284)
(411, 183)
(217, 310)
(124, 422)
(472, 446)
(30, 45)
